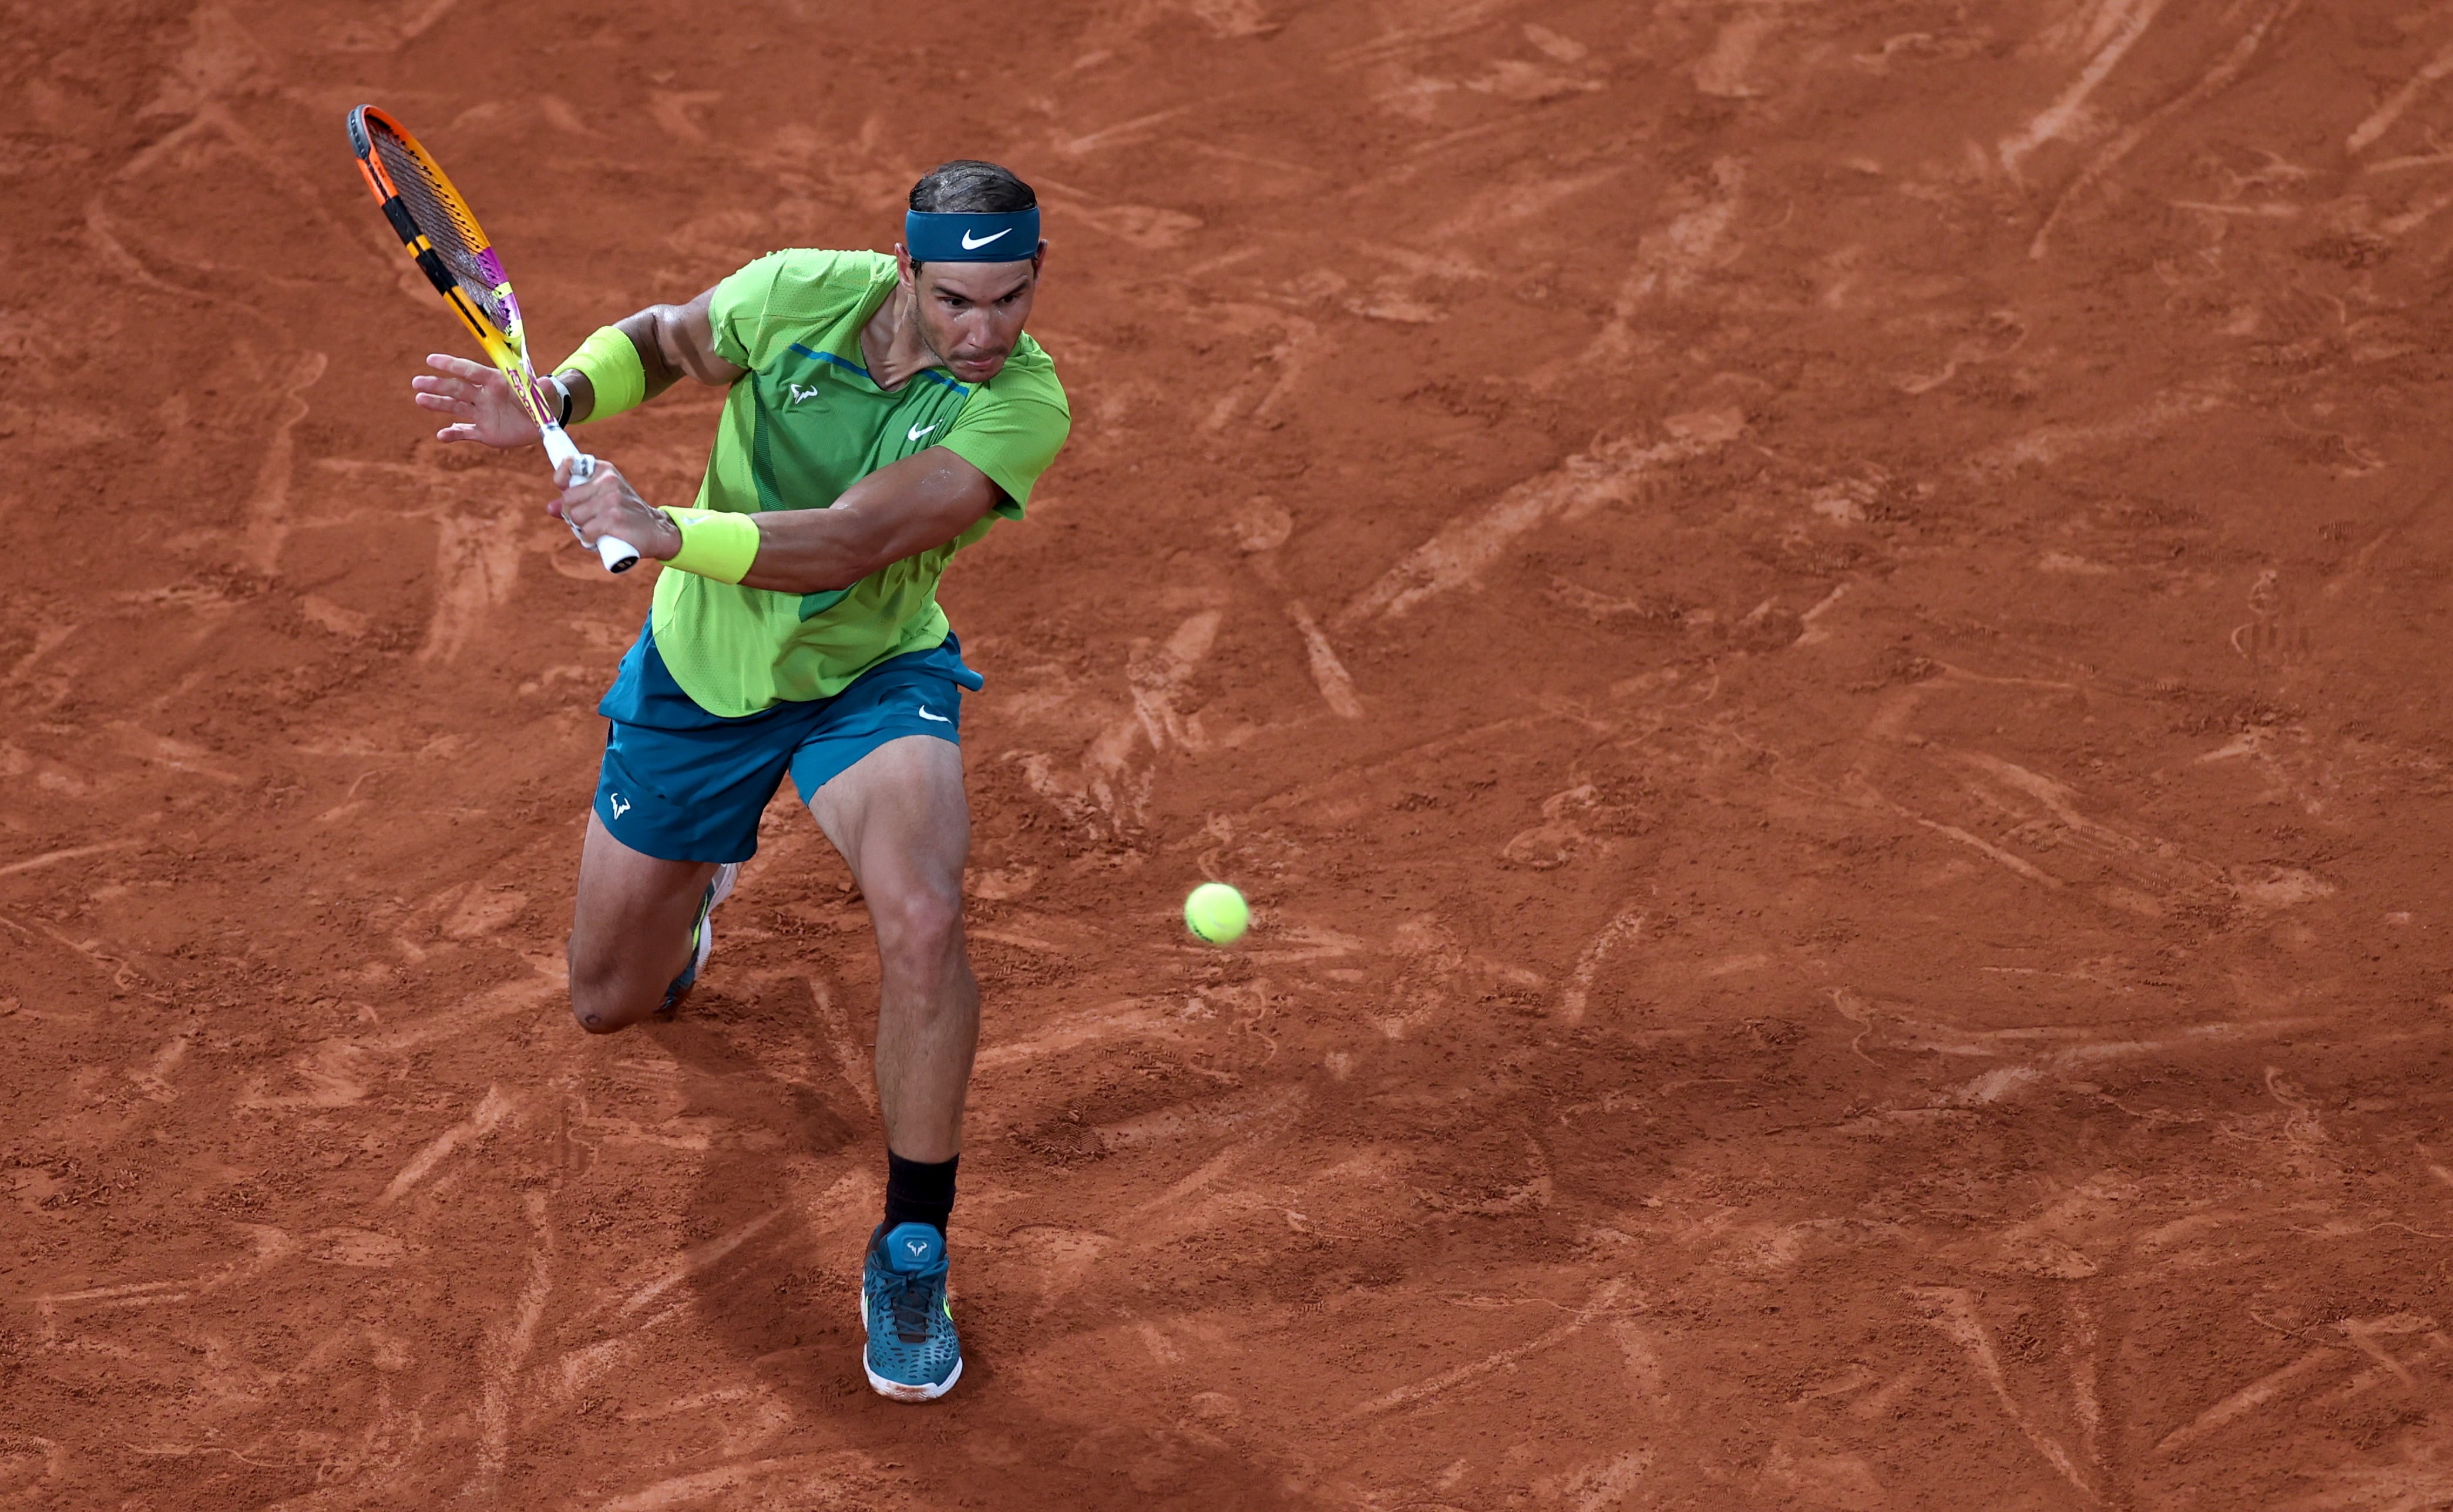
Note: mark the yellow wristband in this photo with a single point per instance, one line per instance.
(715, 542)
(611, 365)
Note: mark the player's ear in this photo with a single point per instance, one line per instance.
(1039, 260)
(903, 268)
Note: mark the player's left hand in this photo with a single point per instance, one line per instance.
(607, 505)
(481, 405)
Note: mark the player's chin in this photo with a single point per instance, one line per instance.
(977, 370)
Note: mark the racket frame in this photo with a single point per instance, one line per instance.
(505, 350)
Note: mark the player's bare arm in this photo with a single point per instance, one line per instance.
(916, 505)
(900, 510)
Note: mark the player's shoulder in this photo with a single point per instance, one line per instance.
(820, 267)
(1029, 374)
(812, 283)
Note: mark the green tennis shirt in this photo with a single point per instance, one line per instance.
(803, 424)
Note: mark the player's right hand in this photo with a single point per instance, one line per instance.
(607, 505)
(481, 403)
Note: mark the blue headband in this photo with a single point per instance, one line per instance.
(964, 236)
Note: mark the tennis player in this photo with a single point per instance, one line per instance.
(883, 414)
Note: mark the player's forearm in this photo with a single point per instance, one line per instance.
(671, 342)
(914, 506)
(817, 550)
(661, 371)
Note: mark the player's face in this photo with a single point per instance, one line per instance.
(971, 313)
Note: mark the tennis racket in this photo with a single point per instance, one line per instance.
(441, 233)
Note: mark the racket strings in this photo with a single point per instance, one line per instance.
(439, 214)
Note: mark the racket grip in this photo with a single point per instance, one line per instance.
(617, 555)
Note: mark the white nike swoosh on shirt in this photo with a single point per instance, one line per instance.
(917, 431)
(971, 245)
(939, 718)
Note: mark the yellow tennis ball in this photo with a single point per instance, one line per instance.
(1217, 913)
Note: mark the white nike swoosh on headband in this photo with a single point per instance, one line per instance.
(971, 245)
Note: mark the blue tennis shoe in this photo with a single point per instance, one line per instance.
(913, 1354)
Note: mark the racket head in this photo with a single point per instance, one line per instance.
(443, 236)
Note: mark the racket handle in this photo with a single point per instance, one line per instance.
(617, 555)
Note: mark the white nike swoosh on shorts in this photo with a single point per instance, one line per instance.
(939, 718)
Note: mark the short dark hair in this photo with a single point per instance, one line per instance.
(968, 186)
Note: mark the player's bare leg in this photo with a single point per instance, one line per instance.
(629, 929)
(901, 819)
(903, 823)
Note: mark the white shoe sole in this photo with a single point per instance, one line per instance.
(896, 1390)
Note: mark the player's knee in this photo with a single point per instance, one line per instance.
(919, 926)
(596, 998)
(596, 1018)
(597, 1012)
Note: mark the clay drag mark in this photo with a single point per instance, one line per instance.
(1813, 628)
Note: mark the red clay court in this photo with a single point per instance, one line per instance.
(1817, 630)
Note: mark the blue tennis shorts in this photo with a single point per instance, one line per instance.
(681, 784)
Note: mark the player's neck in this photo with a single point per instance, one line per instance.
(891, 343)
